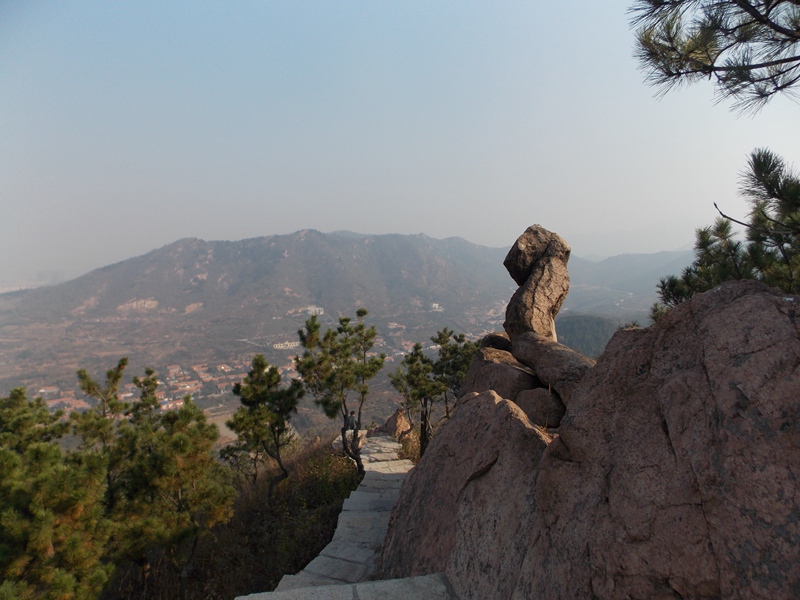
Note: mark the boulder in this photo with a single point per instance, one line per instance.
(554, 364)
(363, 434)
(533, 248)
(498, 340)
(396, 426)
(467, 509)
(498, 370)
(541, 406)
(538, 263)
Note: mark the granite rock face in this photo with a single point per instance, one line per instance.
(541, 406)
(538, 264)
(498, 340)
(555, 365)
(674, 473)
(467, 508)
(498, 370)
(396, 426)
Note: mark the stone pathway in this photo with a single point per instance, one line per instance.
(343, 568)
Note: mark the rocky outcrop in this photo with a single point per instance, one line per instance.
(538, 264)
(674, 473)
(680, 452)
(498, 340)
(526, 357)
(561, 367)
(498, 370)
(467, 506)
(541, 406)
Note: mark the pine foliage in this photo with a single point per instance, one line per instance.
(52, 528)
(261, 424)
(422, 382)
(770, 251)
(751, 49)
(336, 368)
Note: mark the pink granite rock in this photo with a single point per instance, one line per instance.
(554, 364)
(538, 263)
(498, 340)
(498, 370)
(541, 406)
(467, 508)
(397, 425)
(675, 473)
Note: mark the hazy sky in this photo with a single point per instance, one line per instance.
(125, 126)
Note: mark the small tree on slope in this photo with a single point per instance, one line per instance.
(336, 368)
(262, 422)
(415, 381)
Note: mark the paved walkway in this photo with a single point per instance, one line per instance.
(344, 567)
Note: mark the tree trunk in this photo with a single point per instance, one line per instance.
(284, 474)
(356, 450)
(425, 429)
(144, 571)
(187, 569)
(351, 448)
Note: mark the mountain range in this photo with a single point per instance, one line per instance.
(196, 301)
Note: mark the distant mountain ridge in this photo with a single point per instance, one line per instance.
(330, 270)
(197, 300)
(622, 286)
(194, 300)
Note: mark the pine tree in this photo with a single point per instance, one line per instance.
(24, 422)
(262, 422)
(98, 427)
(414, 379)
(771, 249)
(52, 528)
(336, 368)
(164, 487)
(750, 48)
(188, 489)
(136, 446)
(456, 353)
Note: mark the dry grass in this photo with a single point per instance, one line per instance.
(261, 543)
(409, 446)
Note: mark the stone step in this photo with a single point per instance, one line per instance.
(343, 567)
(424, 587)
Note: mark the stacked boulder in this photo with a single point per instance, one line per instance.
(526, 364)
(672, 474)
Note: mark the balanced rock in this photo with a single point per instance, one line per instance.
(554, 364)
(498, 370)
(538, 263)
